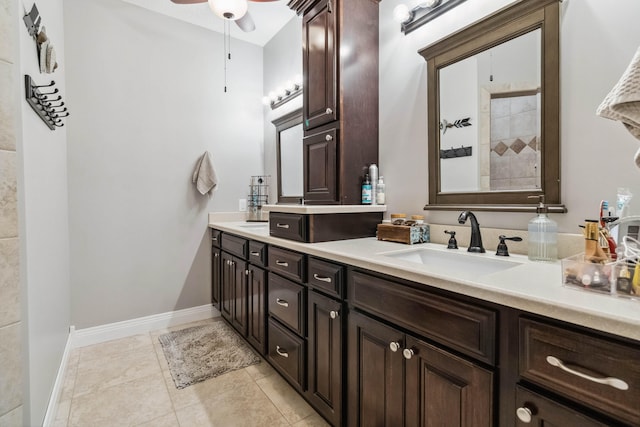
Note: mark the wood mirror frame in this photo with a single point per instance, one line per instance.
(285, 122)
(504, 25)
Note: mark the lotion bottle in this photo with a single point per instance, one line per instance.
(366, 190)
(543, 234)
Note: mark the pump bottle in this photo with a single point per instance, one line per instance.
(543, 234)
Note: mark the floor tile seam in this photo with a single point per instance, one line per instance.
(274, 403)
(118, 384)
(11, 410)
(164, 381)
(155, 418)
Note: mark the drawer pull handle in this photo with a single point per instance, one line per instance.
(328, 138)
(394, 346)
(524, 414)
(322, 278)
(408, 353)
(282, 263)
(281, 352)
(282, 302)
(255, 253)
(282, 225)
(613, 382)
(334, 314)
(215, 239)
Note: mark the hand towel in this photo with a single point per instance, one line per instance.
(204, 176)
(623, 102)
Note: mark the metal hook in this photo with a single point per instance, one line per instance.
(47, 93)
(49, 85)
(45, 99)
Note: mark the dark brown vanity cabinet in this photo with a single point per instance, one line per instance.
(242, 286)
(396, 378)
(216, 276)
(340, 96)
(326, 334)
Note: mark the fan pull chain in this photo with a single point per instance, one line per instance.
(227, 51)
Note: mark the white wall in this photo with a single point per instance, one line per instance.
(146, 96)
(282, 61)
(44, 231)
(597, 43)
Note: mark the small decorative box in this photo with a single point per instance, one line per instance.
(417, 233)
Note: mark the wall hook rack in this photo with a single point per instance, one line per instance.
(452, 153)
(42, 103)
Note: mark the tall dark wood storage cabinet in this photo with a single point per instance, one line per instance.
(340, 96)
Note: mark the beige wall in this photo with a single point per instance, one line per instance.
(10, 313)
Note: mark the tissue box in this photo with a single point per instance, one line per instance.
(418, 233)
(612, 278)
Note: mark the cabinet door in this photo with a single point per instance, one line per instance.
(256, 290)
(444, 390)
(324, 359)
(216, 277)
(320, 167)
(319, 64)
(227, 275)
(536, 410)
(239, 313)
(376, 373)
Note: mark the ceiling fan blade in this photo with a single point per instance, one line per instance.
(188, 1)
(262, 1)
(246, 23)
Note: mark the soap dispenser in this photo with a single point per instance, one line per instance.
(543, 234)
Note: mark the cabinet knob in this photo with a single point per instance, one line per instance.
(408, 353)
(524, 414)
(334, 314)
(246, 272)
(216, 255)
(329, 111)
(281, 352)
(394, 346)
(328, 137)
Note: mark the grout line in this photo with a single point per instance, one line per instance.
(164, 380)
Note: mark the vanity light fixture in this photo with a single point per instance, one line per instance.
(285, 93)
(412, 18)
(229, 9)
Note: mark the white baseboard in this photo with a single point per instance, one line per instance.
(54, 399)
(88, 336)
(111, 331)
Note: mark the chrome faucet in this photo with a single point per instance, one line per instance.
(476, 238)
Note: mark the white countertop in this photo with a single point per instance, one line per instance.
(531, 286)
(324, 209)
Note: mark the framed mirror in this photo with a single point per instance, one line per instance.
(494, 112)
(289, 136)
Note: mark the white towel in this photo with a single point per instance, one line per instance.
(204, 176)
(623, 102)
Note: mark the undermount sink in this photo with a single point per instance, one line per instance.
(455, 263)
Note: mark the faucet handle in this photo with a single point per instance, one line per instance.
(453, 244)
(502, 249)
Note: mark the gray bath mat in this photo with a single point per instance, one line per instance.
(202, 352)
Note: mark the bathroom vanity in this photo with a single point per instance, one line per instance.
(369, 335)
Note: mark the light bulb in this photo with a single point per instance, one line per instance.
(229, 9)
(401, 13)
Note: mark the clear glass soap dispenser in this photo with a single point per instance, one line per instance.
(543, 234)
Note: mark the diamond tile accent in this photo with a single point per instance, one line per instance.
(518, 145)
(500, 148)
(533, 144)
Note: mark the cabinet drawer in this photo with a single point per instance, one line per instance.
(286, 302)
(464, 327)
(546, 412)
(258, 253)
(288, 263)
(288, 226)
(235, 245)
(326, 276)
(597, 372)
(215, 237)
(287, 353)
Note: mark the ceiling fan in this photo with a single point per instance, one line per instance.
(230, 10)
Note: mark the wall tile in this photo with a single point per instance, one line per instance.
(8, 195)
(9, 281)
(10, 368)
(12, 419)
(6, 31)
(7, 106)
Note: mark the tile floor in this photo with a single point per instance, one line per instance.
(127, 382)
